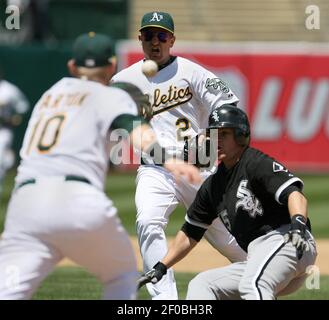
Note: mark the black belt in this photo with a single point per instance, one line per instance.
(67, 178)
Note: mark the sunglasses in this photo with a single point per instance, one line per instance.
(162, 36)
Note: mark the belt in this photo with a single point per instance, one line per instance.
(66, 178)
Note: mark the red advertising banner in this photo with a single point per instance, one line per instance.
(283, 88)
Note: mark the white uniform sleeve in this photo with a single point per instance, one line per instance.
(22, 104)
(210, 90)
(114, 104)
(14, 98)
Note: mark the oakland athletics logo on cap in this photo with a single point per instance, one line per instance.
(158, 19)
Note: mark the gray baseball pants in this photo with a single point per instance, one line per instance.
(271, 269)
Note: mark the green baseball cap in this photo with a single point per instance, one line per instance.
(92, 50)
(158, 19)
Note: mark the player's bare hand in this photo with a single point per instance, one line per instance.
(180, 168)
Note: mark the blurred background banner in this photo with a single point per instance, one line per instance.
(283, 87)
(274, 54)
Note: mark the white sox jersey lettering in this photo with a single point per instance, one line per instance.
(248, 198)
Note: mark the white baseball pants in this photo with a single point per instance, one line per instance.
(52, 219)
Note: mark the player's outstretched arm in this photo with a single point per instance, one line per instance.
(144, 139)
(297, 205)
(181, 246)
(179, 249)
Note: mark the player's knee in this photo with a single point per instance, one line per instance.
(254, 290)
(199, 288)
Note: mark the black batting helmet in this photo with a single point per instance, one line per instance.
(228, 116)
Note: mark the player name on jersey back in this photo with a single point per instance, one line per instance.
(60, 100)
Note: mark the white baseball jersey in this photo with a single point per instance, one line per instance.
(182, 94)
(12, 100)
(68, 129)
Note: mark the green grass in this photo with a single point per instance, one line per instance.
(73, 283)
(322, 293)
(317, 193)
(120, 187)
(69, 283)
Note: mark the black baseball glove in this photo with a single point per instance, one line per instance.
(141, 99)
(154, 275)
(297, 234)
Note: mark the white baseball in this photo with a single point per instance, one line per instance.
(149, 68)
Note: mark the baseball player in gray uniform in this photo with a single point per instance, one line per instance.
(13, 104)
(58, 207)
(262, 205)
(182, 95)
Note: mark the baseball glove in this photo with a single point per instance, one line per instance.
(142, 100)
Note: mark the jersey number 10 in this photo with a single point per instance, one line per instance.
(45, 133)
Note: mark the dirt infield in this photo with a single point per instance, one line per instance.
(205, 257)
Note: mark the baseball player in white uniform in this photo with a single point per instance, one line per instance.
(58, 207)
(182, 95)
(13, 104)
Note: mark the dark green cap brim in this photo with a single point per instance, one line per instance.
(156, 26)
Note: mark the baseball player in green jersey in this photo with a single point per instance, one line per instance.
(58, 207)
(262, 205)
(182, 95)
